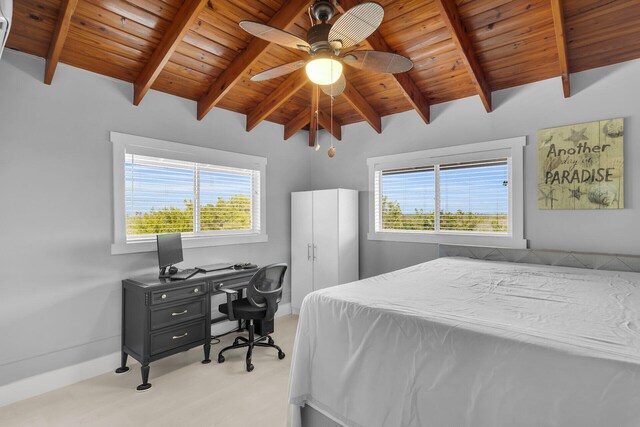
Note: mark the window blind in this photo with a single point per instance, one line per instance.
(408, 199)
(165, 196)
(458, 197)
(475, 197)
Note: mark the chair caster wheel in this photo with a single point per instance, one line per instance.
(249, 367)
(281, 355)
(221, 359)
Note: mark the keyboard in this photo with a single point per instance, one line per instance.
(185, 274)
(215, 267)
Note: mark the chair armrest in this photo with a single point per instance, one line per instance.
(230, 293)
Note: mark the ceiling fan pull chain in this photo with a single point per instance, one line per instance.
(332, 149)
(331, 133)
(331, 114)
(317, 89)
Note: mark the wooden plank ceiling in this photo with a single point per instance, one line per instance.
(195, 49)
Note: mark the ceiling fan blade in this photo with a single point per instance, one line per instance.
(278, 71)
(335, 89)
(378, 61)
(356, 24)
(274, 35)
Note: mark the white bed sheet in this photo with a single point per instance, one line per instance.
(460, 342)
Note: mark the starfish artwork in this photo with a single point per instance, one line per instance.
(581, 166)
(576, 194)
(576, 137)
(547, 197)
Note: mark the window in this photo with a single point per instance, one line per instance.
(408, 199)
(211, 197)
(458, 195)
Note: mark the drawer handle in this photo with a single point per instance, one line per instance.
(179, 314)
(164, 296)
(196, 290)
(177, 337)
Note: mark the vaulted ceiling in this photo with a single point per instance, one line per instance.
(195, 49)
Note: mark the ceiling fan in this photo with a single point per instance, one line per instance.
(326, 41)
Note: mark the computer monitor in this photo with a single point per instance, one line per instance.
(169, 250)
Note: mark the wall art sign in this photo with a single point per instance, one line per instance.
(582, 166)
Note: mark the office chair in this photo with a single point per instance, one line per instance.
(264, 292)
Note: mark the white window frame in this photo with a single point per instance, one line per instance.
(124, 143)
(510, 148)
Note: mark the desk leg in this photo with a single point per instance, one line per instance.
(123, 356)
(144, 370)
(123, 363)
(207, 352)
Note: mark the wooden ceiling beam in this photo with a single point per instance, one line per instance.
(303, 119)
(182, 22)
(297, 123)
(561, 41)
(407, 85)
(313, 115)
(284, 19)
(453, 22)
(275, 99)
(330, 124)
(363, 108)
(59, 37)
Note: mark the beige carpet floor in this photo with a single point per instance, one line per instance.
(184, 393)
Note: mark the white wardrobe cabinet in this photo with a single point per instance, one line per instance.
(324, 241)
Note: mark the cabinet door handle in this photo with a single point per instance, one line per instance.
(196, 290)
(179, 314)
(177, 337)
(315, 254)
(308, 251)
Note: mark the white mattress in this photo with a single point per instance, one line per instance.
(460, 342)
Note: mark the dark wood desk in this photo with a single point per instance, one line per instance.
(162, 317)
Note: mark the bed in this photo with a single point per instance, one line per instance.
(467, 342)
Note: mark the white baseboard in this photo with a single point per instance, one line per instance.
(47, 381)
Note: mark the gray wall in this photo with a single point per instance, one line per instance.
(598, 94)
(60, 284)
(56, 184)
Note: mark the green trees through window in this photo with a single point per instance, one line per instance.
(226, 214)
(393, 218)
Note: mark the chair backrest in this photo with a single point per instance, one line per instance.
(265, 288)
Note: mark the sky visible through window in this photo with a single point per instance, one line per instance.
(480, 190)
(157, 187)
(412, 190)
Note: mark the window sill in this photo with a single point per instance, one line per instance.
(470, 239)
(201, 242)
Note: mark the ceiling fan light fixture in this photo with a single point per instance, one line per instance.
(324, 71)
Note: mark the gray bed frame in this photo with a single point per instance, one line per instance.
(589, 260)
(593, 261)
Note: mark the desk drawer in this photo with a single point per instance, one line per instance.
(231, 283)
(177, 337)
(166, 316)
(171, 295)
